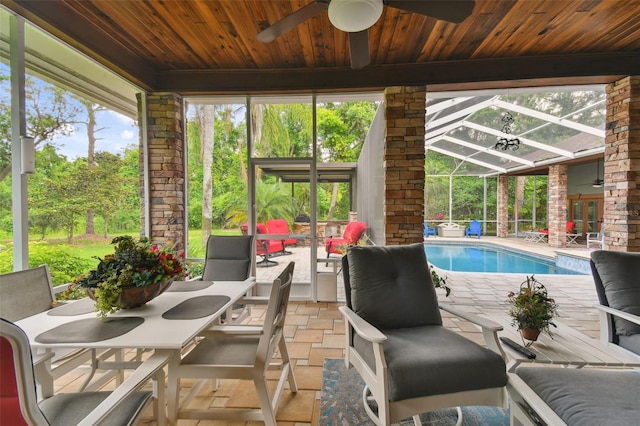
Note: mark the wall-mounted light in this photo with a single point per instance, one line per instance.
(27, 155)
(353, 16)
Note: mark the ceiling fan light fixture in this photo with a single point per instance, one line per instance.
(353, 16)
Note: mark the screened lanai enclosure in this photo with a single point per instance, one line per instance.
(473, 138)
(464, 158)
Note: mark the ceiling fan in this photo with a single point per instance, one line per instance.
(597, 182)
(356, 16)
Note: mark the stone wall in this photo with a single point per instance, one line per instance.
(166, 168)
(622, 166)
(404, 157)
(557, 205)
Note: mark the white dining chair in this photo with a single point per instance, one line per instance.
(29, 292)
(239, 352)
(18, 393)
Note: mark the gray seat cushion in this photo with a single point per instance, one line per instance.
(431, 360)
(631, 343)
(70, 408)
(587, 397)
(619, 272)
(391, 287)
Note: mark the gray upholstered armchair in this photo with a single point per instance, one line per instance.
(409, 362)
(616, 278)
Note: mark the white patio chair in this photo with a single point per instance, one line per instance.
(395, 339)
(239, 352)
(29, 292)
(595, 240)
(230, 258)
(18, 396)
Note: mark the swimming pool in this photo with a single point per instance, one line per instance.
(486, 258)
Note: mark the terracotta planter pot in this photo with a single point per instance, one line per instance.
(530, 333)
(132, 297)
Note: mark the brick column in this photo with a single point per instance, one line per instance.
(622, 166)
(503, 207)
(557, 205)
(404, 156)
(166, 169)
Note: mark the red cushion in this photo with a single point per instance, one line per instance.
(353, 232)
(10, 413)
(272, 246)
(280, 226)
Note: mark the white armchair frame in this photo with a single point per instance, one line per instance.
(606, 315)
(376, 381)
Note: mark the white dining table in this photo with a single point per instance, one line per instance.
(165, 336)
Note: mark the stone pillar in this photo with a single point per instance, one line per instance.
(503, 207)
(166, 168)
(557, 205)
(622, 166)
(404, 156)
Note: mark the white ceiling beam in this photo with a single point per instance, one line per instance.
(538, 145)
(432, 109)
(468, 159)
(549, 118)
(462, 113)
(489, 151)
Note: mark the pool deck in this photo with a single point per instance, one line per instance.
(486, 293)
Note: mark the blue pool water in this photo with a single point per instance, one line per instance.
(467, 258)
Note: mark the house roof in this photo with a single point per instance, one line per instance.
(210, 46)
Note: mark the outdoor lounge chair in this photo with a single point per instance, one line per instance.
(474, 228)
(265, 248)
(395, 339)
(615, 275)
(18, 401)
(351, 235)
(280, 226)
(429, 230)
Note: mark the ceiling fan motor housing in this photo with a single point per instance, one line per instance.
(354, 15)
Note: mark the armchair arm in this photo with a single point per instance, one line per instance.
(618, 313)
(606, 314)
(489, 328)
(151, 368)
(362, 327)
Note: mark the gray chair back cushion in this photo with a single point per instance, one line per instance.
(391, 286)
(618, 274)
(228, 258)
(25, 293)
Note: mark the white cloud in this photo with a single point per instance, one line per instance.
(127, 134)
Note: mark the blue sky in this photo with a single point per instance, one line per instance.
(118, 131)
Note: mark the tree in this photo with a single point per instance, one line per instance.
(90, 124)
(50, 111)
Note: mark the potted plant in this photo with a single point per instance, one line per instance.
(439, 281)
(532, 310)
(135, 273)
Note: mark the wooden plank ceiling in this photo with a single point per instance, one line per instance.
(210, 46)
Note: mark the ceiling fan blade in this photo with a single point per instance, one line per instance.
(289, 22)
(453, 10)
(359, 49)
